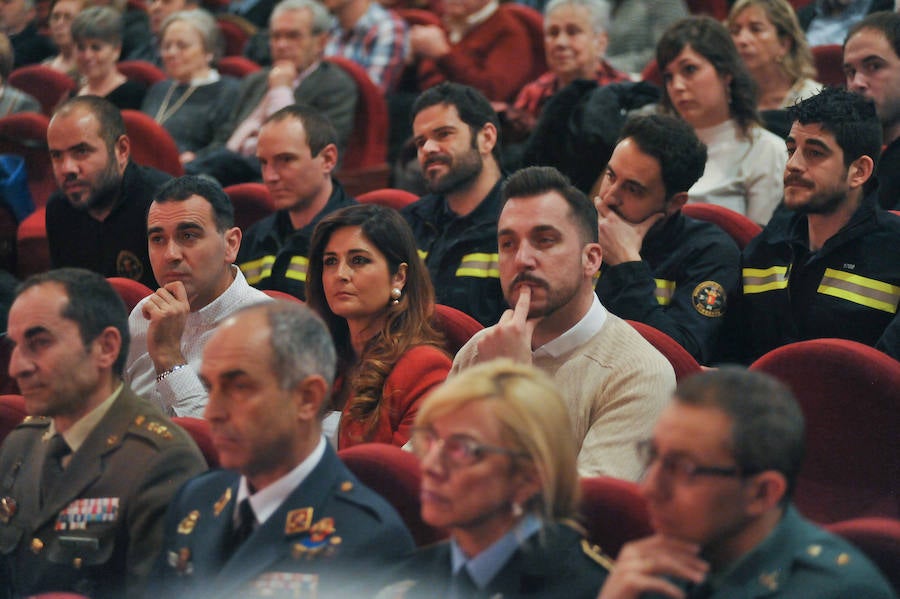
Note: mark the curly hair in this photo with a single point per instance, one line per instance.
(406, 324)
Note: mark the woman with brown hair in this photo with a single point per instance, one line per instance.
(368, 283)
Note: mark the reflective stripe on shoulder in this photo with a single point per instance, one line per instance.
(257, 270)
(296, 270)
(760, 280)
(664, 291)
(860, 290)
(483, 266)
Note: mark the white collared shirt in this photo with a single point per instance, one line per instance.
(79, 432)
(589, 325)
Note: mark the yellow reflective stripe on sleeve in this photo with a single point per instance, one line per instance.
(296, 270)
(483, 266)
(257, 270)
(664, 291)
(860, 290)
(760, 280)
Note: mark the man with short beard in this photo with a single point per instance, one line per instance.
(97, 220)
(457, 135)
(614, 383)
(829, 266)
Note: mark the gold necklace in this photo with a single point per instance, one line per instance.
(164, 112)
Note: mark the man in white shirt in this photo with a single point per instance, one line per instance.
(613, 381)
(192, 244)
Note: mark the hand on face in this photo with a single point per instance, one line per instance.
(167, 311)
(620, 239)
(643, 565)
(283, 73)
(511, 336)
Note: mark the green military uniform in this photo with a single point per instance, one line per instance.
(99, 530)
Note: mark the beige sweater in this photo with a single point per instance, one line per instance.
(615, 387)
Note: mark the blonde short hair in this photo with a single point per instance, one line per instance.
(532, 419)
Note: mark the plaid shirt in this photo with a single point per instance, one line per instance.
(379, 42)
(535, 94)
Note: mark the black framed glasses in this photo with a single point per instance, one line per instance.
(456, 451)
(681, 467)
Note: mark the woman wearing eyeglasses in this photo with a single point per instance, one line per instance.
(498, 472)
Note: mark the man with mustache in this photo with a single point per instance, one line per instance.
(660, 267)
(614, 382)
(456, 133)
(97, 218)
(829, 265)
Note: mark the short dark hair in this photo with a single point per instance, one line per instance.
(886, 22)
(98, 22)
(109, 119)
(473, 107)
(319, 130)
(92, 304)
(767, 425)
(535, 180)
(710, 39)
(672, 142)
(850, 117)
(182, 188)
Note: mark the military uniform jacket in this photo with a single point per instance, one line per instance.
(324, 537)
(849, 289)
(461, 254)
(274, 255)
(799, 559)
(556, 563)
(689, 271)
(100, 532)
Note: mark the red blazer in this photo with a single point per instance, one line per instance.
(494, 58)
(416, 373)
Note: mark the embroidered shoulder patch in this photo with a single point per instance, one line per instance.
(709, 299)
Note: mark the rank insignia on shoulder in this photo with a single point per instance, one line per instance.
(186, 526)
(220, 504)
(8, 509)
(594, 552)
(298, 521)
(181, 561)
(160, 430)
(709, 299)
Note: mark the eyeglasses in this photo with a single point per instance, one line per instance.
(680, 467)
(457, 451)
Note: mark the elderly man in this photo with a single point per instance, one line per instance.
(297, 33)
(614, 382)
(721, 465)
(88, 475)
(193, 243)
(97, 219)
(286, 513)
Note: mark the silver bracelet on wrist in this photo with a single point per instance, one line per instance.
(165, 373)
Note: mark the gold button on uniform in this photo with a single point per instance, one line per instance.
(77, 563)
(843, 559)
(346, 486)
(814, 550)
(36, 545)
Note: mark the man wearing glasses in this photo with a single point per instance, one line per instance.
(721, 466)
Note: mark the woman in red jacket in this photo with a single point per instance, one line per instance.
(368, 283)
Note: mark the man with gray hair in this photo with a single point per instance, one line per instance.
(17, 21)
(285, 513)
(297, 34)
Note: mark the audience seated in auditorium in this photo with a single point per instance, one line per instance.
(367, 282)
(375, 38)
(455, 225)
(482, 44)
(635, 29)
(62, 13)
(828, 21)
(193, 242)
(829, 265)
(195, 100)
(722, 463)
(613, 382)
(498, 472)
(97, 220)
(774, 50)
(97, 32)
(872, 66)
(298, 154)
(660, 267)
(298, 76)
(159, 11)
(17, 20)
(708, 85)
(284, 514)
(12, 100)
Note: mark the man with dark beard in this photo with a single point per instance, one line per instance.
(829, 266)
(457, 135)
(97, 220)
(614, 383)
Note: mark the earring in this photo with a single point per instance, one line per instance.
(395, 295)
